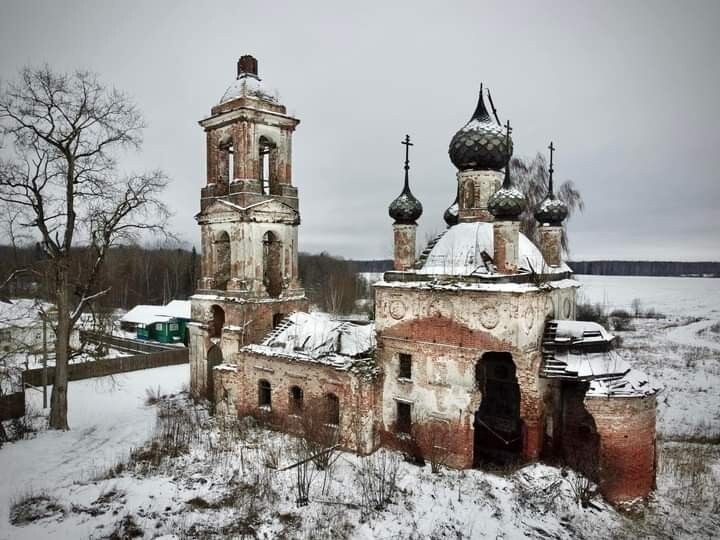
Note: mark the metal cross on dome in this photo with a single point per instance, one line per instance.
(550, 169)
(407, 145)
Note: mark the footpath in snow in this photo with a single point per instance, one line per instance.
(107, 418)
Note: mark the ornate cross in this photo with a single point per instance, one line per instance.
(551, 170)
(407, 145)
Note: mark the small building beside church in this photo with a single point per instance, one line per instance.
(474, 355)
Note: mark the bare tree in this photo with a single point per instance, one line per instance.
(531, 177)
(62, 132)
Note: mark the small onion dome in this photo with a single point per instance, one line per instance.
(507, 202)
(406, 209)
(451, 216)
(551, 210)
(481, 143)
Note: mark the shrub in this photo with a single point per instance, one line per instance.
(592, 312)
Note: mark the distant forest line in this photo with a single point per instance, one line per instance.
(600, 268)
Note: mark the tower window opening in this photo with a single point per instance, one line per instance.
(231, 163)
(267, 157)
(265, 168)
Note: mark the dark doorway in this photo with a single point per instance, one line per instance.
(272, 274)
(498, 427)
(296, 400)
(404, 417)
(214, 358)
(580, 439)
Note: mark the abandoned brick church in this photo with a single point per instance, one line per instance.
(474, 352)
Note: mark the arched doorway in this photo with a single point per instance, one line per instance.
(221, 259)
(272, 273)
(498, 427)
(214, 358)
(216, 323)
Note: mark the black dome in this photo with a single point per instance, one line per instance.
(405, 209)
(507, 202)
(451, 215)
(480, 144)
(551, 211)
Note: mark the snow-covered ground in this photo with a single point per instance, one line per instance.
(220, 484)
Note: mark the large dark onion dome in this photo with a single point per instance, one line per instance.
(507, 203)
(406, 209)
(481, 143)
(451, 215)
(551, 211)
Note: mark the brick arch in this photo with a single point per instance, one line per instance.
(446, 331)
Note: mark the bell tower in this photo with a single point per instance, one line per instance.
(249, 218)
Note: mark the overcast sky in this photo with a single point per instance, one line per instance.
(627, 90)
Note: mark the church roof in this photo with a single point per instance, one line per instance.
(319, 338)
(459, 252)
(248, 85)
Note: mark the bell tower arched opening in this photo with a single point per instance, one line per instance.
(272, 268)
(221, 259)
(216, 323)
(498, 426)
(268, 166)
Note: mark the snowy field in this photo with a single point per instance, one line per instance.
(196, 479)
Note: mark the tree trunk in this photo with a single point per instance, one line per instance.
(58, 399)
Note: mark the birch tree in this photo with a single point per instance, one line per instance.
(61, 135)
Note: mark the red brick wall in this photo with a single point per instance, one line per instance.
(358, 397)
(627, 445)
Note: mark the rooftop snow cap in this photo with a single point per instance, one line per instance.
(406, 209)
(480, 144)
(247, 83)
(551, 211)
(507, 203)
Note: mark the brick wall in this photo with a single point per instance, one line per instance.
(626, 427)
(237, 393)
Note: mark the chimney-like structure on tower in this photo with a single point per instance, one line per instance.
(550, 214)
(478, 150)
(405, 210)
(506, 205)
(247, 65)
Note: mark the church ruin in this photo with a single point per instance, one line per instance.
(474, 352)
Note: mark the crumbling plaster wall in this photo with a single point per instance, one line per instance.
(446, 332)
(357, 395)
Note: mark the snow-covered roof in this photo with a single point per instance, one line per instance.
(581, 350)
(248, 85)
(459, 252)
(180, 309)
(145, 314)
(318, 337)
(21, 312)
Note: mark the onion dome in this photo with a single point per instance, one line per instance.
(481, 143)
(507, 203)
(247, 83)
(451, 215)
(406, 209)
(551, 210)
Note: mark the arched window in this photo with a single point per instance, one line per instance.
(332, 409)
(264, 393)
(267, 160)
(216, 323)
(272, 271)
(221, 256)
(296, 400)
(226, 164)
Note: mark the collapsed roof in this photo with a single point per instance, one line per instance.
(582, 351)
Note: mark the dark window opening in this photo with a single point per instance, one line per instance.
(405, 371)
(264, 393)
(404, 417)
(296, 400)
(332, 409)
(215, 325)
(267, 158)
